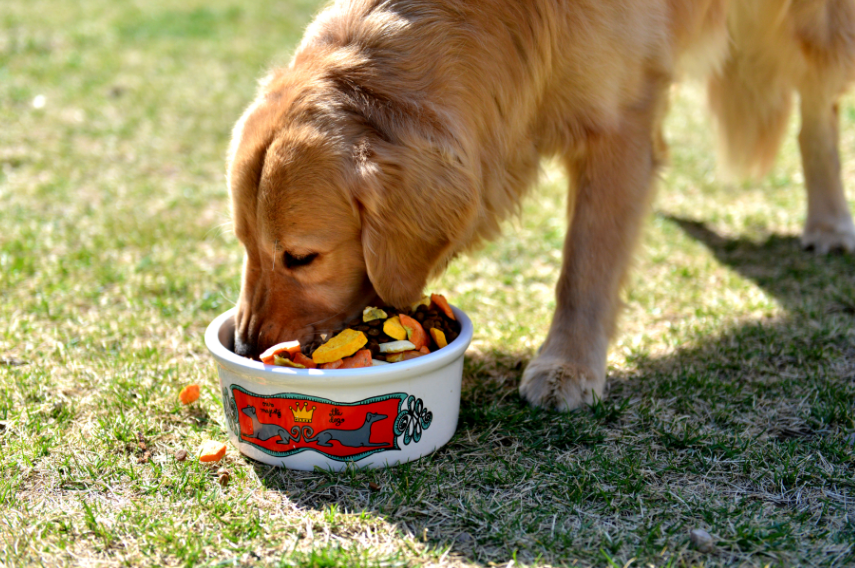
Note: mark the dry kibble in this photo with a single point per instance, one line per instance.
(373, 486)
(223, 477)
(181, 455)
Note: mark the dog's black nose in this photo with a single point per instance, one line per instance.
(244, 348)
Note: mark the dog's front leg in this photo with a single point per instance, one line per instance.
(829, 225)
(611, 181)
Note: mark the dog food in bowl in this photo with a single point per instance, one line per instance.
(380, 336)
(353, 414)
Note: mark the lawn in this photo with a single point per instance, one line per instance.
(731, 405)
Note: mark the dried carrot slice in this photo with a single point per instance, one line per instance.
(189, 394)
(361, 359)
(442, 304)
(331, 365)
(415, 332)
(281, 349)
(407, 355)
(301, 359)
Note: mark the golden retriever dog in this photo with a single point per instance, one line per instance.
(778, 48)
(404, 131)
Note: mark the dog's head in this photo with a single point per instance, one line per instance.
(336, 210)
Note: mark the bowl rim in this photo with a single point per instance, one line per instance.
(381, 373)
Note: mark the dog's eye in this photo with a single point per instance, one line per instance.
(292, 261)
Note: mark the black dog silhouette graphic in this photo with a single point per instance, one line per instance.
(263, 432)
(359, 438)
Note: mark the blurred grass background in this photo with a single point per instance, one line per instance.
(732, 400)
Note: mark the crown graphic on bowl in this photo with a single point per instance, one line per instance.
(304, 414)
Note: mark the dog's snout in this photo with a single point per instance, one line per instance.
(246, 344)
(242, 347)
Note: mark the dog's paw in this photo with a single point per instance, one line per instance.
(830, 237)
(551, 382)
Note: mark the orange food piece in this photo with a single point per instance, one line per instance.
(211, 451)
(301, 359)
(415, 332)
(407, 355)
(425, 350)
(442, 304)
(438, 337)
(342, 345)
(393, 328)
(332, 364)
(361, 359)
(289, 347)
(189, 394)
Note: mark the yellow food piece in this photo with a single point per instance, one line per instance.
(438, 337)
(285, 362)
(371, 314)
(395, 357)
(342, 345)
(425, 301)
(393, 328)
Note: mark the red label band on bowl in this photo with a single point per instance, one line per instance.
(289, 423)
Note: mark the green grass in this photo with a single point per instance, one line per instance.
(732, 398)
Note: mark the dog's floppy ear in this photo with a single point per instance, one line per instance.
(419, 205)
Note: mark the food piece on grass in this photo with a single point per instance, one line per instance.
(331, 365)
(211, 451)
(442, 304)
(396, 347)
(407, 355)
(189, 394)
(438, 337)
(285, 362)
(361, 359)
(301, 359)
(415, 332)
(393, 328)
(378, 362)
(285, 349)
(371, 314)
(342, 345)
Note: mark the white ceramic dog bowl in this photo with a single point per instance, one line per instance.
(308, 418)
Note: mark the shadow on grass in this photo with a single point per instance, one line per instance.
(799, 280)
(721, 436)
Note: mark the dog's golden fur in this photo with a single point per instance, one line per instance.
(403, 132)
(779, 48)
